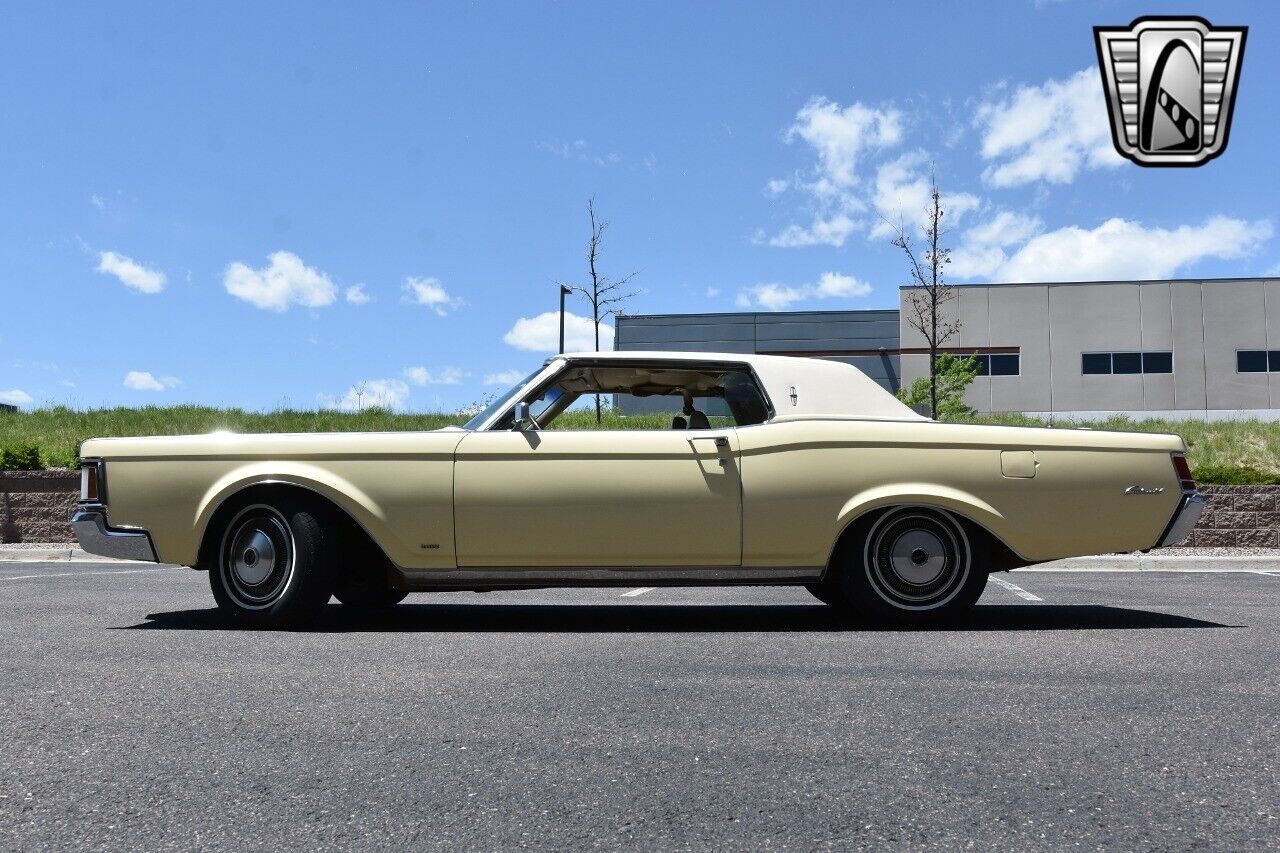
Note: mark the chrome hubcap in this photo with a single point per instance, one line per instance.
(918, 556)
(257, 557)
(916, 559)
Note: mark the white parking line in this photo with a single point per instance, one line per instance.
(1015, 589)
(78, 574)
(641, 591)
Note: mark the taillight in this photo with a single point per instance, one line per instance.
(1184, 471)
(91, 481)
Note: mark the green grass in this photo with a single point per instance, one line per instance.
(1219, 451)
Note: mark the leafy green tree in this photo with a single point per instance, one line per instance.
(952, 377)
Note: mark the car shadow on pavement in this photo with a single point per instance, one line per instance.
(680, 618)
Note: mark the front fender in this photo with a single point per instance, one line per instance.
(339, 490)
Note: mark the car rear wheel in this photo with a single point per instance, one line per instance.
(826, 592)
(273, 568)
(367, 595)
(914, 566)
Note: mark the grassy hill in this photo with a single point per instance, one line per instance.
(1219, 451)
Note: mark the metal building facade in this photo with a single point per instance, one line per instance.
(866, 339)
(1182, 348)
(1199, 327)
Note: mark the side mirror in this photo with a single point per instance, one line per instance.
(520, 415)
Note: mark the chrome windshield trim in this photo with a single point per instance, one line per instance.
(548, 368)
(96, 536)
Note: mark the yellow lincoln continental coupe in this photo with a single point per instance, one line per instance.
(773, 470)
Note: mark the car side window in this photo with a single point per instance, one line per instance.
(624, 396)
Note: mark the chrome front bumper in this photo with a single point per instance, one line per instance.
(1184, 520)
(96, 536)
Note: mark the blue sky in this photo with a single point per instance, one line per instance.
(275, 204)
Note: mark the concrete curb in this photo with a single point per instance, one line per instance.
(52, 554)
(1156, 563)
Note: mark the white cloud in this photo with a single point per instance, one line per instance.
(1123, 249)
(835, 285)
(370, 394)
(578, 149)
(1047, 132)
(131, 273)
(903, 192)
(443, 376)
(832, 231)
(285, 281)
(356, 296)
(142, 380)
(773, 296)
(15, 397)
(841, 135)
(431, 293)
(712, 292)
(96, 201)
(542, 333)
(981, 248)
(505, 378)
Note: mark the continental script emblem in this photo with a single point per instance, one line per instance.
(1171, 85)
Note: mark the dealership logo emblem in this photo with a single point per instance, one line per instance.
(1171, 85)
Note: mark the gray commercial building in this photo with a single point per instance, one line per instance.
(1182, 348)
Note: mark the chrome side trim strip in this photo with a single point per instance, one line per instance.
(610, 576)
(96, 536)
(1184, 520)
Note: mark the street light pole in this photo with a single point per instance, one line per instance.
(564, 291)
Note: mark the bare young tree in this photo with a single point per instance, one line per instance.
(603, 294)
(929, 293)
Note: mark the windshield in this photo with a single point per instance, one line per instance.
(501, 403)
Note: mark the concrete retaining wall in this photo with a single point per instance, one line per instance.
(36, 505)
(1238, 516)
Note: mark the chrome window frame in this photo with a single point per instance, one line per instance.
(545, 378)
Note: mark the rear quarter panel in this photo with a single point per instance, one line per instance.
(804, 481)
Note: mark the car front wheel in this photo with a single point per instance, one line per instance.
(913, 567)
(273, 567)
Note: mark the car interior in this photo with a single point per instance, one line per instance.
(700, 397)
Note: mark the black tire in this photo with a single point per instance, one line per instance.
(272, 565)
(912, 566)
(368, 596)
(826, 592)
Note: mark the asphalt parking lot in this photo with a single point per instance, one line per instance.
(1089, 710)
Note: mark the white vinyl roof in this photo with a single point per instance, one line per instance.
(821, 387)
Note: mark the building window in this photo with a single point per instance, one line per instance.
(998, 363)
(1257, 361)
(1106, 363)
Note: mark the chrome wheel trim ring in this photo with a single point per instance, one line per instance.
(256, 559)
(916, 559)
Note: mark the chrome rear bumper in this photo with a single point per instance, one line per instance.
(96, 536)
(1183, 520)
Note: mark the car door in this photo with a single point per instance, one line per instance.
(568, 498)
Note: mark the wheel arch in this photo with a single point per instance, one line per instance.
(218, 510)
(975, 515)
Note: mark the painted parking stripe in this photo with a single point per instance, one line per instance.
(641, 591)
(1015, 589)
(79, 574)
